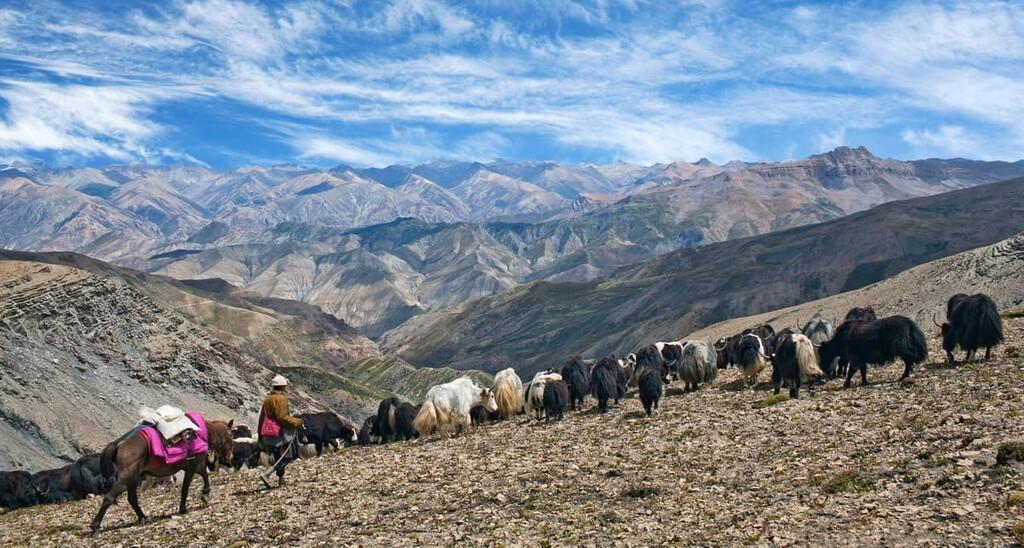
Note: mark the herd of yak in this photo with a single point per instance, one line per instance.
(816, 352)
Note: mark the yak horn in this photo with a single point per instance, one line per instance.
(937, 324)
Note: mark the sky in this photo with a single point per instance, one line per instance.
(230, 83)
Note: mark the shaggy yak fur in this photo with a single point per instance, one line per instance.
(608, 382)
(556, 399)
(325, 428)
(576, 375)
(404, 417)
(862, 342)
(16, 489)
(534, 392)
(480, 415)
(651, 357)
(751, 357)
(866, 314)
(446, 406)
(508, 392)
(650, 383)
(368, 432)
(795, 361)
(386, 418)
(697, 364)
(972, 322)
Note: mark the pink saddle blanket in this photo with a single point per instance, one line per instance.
(173, 454)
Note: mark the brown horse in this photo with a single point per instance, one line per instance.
(128, 458)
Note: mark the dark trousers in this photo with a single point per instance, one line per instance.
(282, 450)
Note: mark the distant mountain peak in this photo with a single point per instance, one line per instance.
(846, 154)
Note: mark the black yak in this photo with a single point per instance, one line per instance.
(53, 486)
(697, 364)
(478, 414)
(972, 322)
(862, 342)
(368, 432)
(556, 399)
(325, 428)
(577, 376)
(650, 383)
(386, 418)
(245, 452)
(404, 417)
(651, 357)
(607, 382)
(751, 356)
(767, 333)
(866, 314)
(796, 361)
(16, 489)
(88, 479)
(240, 431)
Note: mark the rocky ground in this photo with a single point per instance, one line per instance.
(888, 464)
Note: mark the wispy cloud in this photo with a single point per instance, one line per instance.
(407, 80)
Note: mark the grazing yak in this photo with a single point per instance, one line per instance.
(386, 418)
(972, 322)
(446, 406)
(16, 489)
(74, 481)
(608, 382)
(534, 391)
(628, 366)
(245, 452)
(479, 415)
(576, 375)
(240, 431)
(670, 351)
(650, 382)
(861, 342)
(325, 428)
(697, 364)
(820, 331)
(368, 432)
(508, 392)
(652, 357)
(866, 314)
(796, 361)
(556, 399)
(404, 417)
(751, 356)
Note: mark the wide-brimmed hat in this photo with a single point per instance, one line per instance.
(173, 421)
(279, 380)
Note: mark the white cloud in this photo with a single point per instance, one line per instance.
(946, 141)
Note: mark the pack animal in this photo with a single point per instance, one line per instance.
(446, 406)
(128, 460)
(862, 342)
(508, 392)
(325, 428)
(972, 322)
(577, 376)
(698, 364)
(796, 362)
(608, 382)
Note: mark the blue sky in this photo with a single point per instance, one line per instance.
(228, 83)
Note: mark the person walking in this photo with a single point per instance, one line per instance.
(278, 431)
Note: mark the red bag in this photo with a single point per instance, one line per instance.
(270, 428)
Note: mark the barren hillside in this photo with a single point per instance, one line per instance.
(890, 464)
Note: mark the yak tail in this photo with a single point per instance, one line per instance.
(508, 399)
(807, 358)
(426, 420)
(990, 325)
(107, 459)
(391, 418)
(912, 346)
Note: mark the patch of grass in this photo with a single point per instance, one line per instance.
(772, 400)
(61, 529)
(1015, 498)
(640, 492)
(847, 481)
(279, 514)
(1016, 312)
(1018, 532)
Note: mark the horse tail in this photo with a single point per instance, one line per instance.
(107, 458)
(806, 357)
(426, 420)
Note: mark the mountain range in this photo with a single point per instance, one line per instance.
(537, 325)
(379, 246)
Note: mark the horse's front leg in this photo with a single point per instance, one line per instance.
(189, 472)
